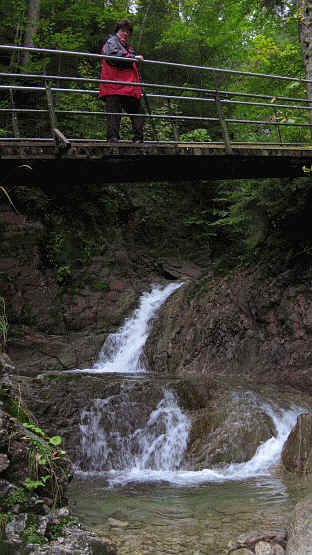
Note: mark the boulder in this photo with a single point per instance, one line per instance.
(229, 430)
(5, 363)
(297, 451)
(300, 530)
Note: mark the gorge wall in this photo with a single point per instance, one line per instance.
(74, 262)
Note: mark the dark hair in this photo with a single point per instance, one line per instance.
(124, 24)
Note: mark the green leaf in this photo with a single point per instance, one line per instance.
(34, 429)
(55, 440)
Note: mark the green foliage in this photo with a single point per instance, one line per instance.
(5, 518)
(14, 407)
(34, 484)
(197, 135)
(237, 34)
(100, 286)
(63, 274)
(251, 213)
(45, 457)
(6, 194)
(55, 440)
(30, 534)
(54, 530)
(18, 497)
(34, 428)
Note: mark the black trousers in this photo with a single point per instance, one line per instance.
(131, 105)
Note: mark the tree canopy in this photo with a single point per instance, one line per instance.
(260, 36)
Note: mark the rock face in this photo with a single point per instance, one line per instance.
(73, 266)
(228, 430)
(297, 451)
(300, 532)
(243, 326)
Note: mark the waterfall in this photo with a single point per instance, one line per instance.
(115, 444)
(141, 434)
(122, 350)
(113, 439)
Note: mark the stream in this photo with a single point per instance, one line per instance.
(134, 481)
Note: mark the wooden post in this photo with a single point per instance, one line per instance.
(52, 115)
(14, 117)
(225, 133)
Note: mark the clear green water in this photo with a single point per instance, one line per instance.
(195, 520)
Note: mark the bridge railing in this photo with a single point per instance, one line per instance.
(226, 107)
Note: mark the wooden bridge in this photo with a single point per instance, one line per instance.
(102, 162)
(281, 145)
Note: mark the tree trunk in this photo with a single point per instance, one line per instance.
(31, 26)
(305, 31)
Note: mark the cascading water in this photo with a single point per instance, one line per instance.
(115, 444)
(138, 435)
(122, 350)
(131, 441)
(158, 444)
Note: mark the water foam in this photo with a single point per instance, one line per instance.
(267, 455)
(122, 351)
(154, 452)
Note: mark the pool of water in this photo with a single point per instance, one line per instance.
(161, 518)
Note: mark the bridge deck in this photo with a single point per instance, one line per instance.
(101, 161)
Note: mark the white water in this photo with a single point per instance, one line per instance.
(158, 444)
(122, 350)
(267, 455)
(154, 451)
(126, 441)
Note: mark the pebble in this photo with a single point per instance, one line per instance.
(114, 523)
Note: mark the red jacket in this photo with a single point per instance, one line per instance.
(126, 70)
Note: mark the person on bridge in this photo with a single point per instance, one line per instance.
(118, 96)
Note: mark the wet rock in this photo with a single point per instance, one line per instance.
(264, 548)
(297, 451)
(62, 512)
(4, 426)
(300, 530)
(230, 430)
(15, 527)
(5, 363)
(278, 549)
(6, 488)
(42, 526)
(175, 269)
(114, 523)
(4, 462)
(101, 546)
(264, 539)
(238, 326)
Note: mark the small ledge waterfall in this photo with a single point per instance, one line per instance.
(159, 444)
(116, 444)
(122, 350)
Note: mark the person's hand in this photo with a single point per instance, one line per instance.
(139, 58)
